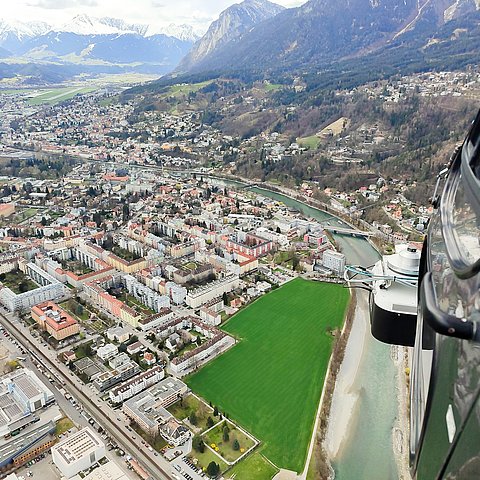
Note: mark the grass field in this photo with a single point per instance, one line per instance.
(271, 381)
(311, 142)
(185, 89)
(214, 437)
(254, 467)
(57, 95)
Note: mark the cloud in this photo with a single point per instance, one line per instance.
(158, 4)
(61, 4)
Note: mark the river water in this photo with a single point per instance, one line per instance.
(367, 451)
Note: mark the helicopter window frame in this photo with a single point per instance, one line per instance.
(461, 170)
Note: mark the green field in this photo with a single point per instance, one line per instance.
(271, 381)
(311, 142)
(186, 88)
(57, 95)
(254, 467)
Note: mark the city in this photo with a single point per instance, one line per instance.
(224, 247)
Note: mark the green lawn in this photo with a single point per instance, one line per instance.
(18, 282)
(272, 87)
(206, 457)
(254, 467)
(190, 404)
(57, 95)
(311, 142)
(63, 425)
(271, 381)
(225, 447)
(187, 88)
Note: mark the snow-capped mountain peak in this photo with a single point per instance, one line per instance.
(22, 30)
(182, 32)
(85, 25)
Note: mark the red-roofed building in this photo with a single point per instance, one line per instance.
(58, 323)
(6, 209)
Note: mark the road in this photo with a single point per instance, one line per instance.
(156, 466)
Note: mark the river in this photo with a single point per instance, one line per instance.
(367, 452)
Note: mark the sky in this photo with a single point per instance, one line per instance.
(198, 13)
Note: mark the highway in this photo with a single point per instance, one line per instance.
(155, 466)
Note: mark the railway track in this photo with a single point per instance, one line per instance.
(123, 438)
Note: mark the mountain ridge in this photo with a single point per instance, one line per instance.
(232, 23)
(320, 31)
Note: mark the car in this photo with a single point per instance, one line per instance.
(134, 437)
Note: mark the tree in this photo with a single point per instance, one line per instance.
(125, 212)
(236, 445)
(213, 470)
(193, 418)
(226, 431)
(210, 422)
(23, 287)
(215, 411)
(79, 310)
(197, 444)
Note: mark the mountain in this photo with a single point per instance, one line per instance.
(98, 44)
(321, 31)
(86, 25)
(182, 32)
(232, 23)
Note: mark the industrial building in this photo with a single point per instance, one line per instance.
(78, 452)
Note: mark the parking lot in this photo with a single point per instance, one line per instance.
(40, 470)
(182, 467)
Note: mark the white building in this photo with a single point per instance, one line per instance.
(49, 289)
(164, 316)
(108, 471)
(142, 381)
(180, 366)
(107, 351)
(217, 288)
(146, 295)
(176, 292)
(334, 261)
(118, 334)
(78, 452)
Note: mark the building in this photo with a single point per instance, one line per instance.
(248, 244)
(146, 295)
(191, 360)
(147, 409)
(108, 471)
(26, 447)
(58, 323)
(137, 384)
(176, 292)
(162, 317)
(21, 395)
(334, 261)
(217, 288)
(6, 209)
(78, 452)
(118, 334)
(105, 380)
(49, 289)
(107, 352)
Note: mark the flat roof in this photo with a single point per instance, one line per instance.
(78, 445)
(22, 442)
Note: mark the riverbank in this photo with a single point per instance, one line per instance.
(367, 394)
(401, 429)
(345, 395)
